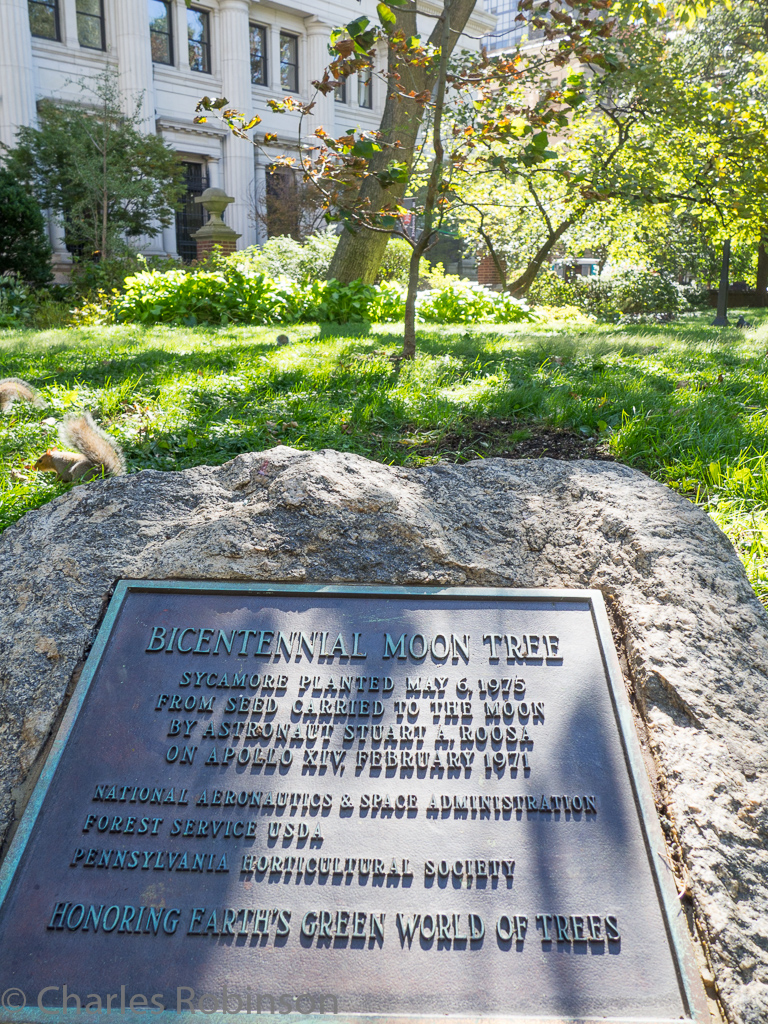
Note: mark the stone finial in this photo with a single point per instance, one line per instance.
(215, 232)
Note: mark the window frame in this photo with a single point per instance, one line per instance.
(96, 17)
(286, 64)
(169, 34)
(365, 89)
(263, 31)
(51, 5)
(340, 90)
(204, 43)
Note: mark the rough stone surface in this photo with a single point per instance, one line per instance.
(695, 636)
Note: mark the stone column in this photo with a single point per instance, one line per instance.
(213, 167)
(17, 76)
(260, 197)
(318, 58)
(233, 46)
(61, 260)
(180, 36)
(68, 23)
(169, 240)
(134, 59)
(273, 58)
(378, 87)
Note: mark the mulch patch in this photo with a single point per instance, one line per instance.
(559, 444)
(501, 439)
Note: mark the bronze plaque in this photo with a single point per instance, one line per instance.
(349, 801)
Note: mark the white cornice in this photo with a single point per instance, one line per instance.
(172, 124)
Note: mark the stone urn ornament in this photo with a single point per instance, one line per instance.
(215, 232)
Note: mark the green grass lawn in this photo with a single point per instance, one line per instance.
(686, 403)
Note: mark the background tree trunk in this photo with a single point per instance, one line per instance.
(359, 254)
(409, 325)
(761, 284)
(520, 285)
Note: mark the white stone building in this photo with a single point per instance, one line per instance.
(167, 56)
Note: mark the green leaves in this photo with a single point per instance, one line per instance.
(365, 148)
(574, 92)
(361, 35)
(396, 172)
(386, 16)
(206, 103)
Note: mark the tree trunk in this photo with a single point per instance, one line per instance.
(359, 253)
(520, 286)
(433, 185)
(409, 327)
(104, 223)
(761, 284)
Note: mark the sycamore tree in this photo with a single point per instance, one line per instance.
(415, 70)
(91, 165)
(516, 100)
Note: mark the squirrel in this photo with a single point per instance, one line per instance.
(96, 453)
(14, 389)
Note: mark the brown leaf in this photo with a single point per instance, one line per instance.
(344, 47)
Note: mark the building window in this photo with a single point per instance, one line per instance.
(289, 62)
(190, 216)
(90, 24)
(259, 55)
(160, 31)
(282, 202)
(199, 32)
(365, 89)
(44, 18)
(341, 91)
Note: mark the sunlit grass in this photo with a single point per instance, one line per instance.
(687, 403)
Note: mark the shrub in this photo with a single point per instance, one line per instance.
(93, 312)
(329, 301)
(641, 291)
(24, 248)
(283, 256)
(278, 257)
(631, 292)
(89, 277)
(395, 263)
(51, 310)
(316, 256)
(388, 304)
(463, 302)
(548, 289)
(696, 295)
(205, 297)
(15, 301)
(41, 309)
